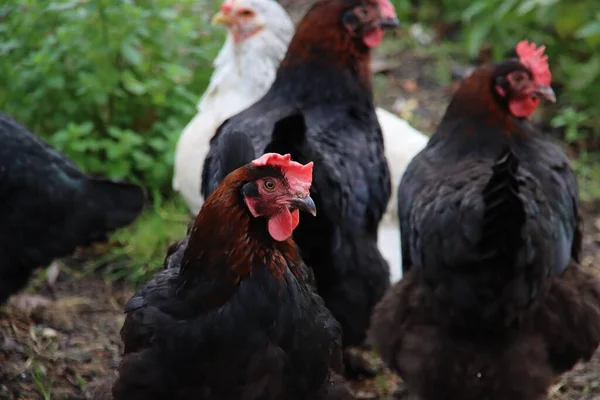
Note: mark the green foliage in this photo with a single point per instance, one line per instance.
(587, 168)
(570, 30)
(139, 250)
(109, 83)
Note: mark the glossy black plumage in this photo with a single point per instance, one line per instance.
(49, 206)
(492, 304)
(320, 109)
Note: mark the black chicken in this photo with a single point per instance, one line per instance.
(493, 304)
(49, 207)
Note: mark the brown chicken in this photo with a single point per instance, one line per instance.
(493, 304)
(234, 314)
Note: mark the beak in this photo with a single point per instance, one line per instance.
(547, 93)
(389, 23)
(306, 204)
(222, 19)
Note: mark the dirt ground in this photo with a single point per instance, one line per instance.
(67, 343)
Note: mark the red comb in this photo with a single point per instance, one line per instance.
(299, 176)
(227, 6)
(387, 9)
(533, 58)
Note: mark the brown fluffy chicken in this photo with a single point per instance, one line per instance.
(320, 108)
(494, 304)
(234, 314)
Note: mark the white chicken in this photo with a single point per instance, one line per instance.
(258, 34)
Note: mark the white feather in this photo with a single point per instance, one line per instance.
(242, 75)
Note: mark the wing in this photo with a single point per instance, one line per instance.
(560, 187)
(442, 215)
(351, 175)
(414, 177)
(148, 305)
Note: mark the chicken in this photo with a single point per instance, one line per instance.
(493, 303)
(244, 69)
(401, 140)
(234, 313)
(49, 207)
(320, 108)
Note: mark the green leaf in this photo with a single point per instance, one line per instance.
(589, 30)
(63, 6)
(474, 9)
(476, 35)
(131, 54)
(132, 84)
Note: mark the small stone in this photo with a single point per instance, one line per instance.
(49, 333)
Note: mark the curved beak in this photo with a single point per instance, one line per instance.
(306, 204)
(222, 19)
(546, 92)
(389, 23)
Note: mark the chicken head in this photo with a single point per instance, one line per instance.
(279, 192)
(367, 19)
(246, 18)
(522, 83)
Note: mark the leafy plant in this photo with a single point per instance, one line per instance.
(109, 83)
(139, 250)
(570, 30)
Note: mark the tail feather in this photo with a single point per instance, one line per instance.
(235, 150)
(504, 214)
(120, 202)
(288, 136)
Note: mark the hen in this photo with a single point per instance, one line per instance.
(320, 108)
(49, 207)
(234, 314)
(494, 304)
(257, 38)
(401, 140)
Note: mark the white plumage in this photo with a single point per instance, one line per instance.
(244, 71)
(402, 142)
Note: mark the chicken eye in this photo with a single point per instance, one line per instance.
(245, 13)
(362, 13)
(518, 78)
(269, 185)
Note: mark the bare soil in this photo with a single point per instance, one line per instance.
(66, 344)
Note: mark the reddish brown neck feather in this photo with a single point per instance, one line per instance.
(322, 38)
(223, 244)
(475, 99)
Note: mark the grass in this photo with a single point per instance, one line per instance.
(43, 387)
(138, 251)
(587, 168)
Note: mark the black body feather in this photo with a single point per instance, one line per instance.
(49, 206)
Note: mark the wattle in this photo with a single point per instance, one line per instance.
(373, 38)
(282, 225)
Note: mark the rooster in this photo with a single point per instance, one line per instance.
(244, 69)
(320, 108)
(49, 206)
(259, 64)
(234, 314)
(493, 303)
